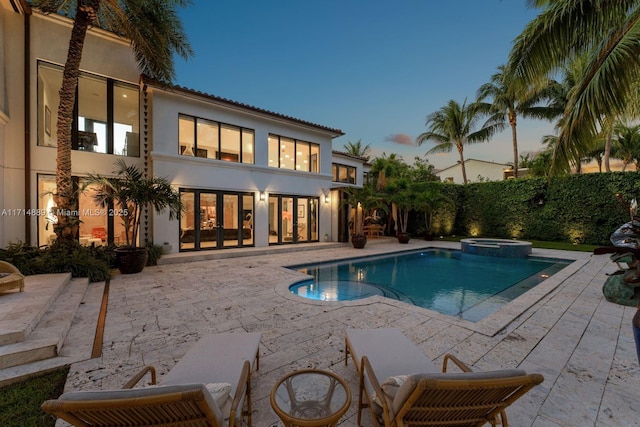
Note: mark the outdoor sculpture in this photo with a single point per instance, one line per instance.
(623, 286)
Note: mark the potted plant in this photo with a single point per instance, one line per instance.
(364, 199)
(401, 194)
(128, 193)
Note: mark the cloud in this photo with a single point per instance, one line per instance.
(400, 139)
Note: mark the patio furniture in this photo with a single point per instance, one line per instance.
(207, 387)
(425, 397)
(310, 398)
(10, 277)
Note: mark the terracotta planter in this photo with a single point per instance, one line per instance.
(403, 237)
(131, 260)
(358, 241)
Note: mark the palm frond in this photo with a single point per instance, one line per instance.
(603, 89)
(564, 27)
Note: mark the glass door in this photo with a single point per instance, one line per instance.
(228, 229)
(302, 226)
(216, 219)
(293, 219)
(287, 220)
(208, 219)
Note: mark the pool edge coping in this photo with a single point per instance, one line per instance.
(490, 325)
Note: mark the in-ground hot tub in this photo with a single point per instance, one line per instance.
(496, 247)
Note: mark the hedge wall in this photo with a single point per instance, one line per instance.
(576, 208)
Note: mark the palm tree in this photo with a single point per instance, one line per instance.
(156, 34)
(357, 149)
(525, 160)
(511, 98)
(453, 126)
(608, 31)
(626, 146)
(597, 151)
(133, 192)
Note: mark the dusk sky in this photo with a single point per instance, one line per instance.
(372, 68)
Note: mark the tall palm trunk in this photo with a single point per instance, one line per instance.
(607, 149)
(460, 148)
(66, 197)
(513, 121)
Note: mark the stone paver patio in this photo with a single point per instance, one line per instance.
(582, 344)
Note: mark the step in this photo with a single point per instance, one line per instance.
(49, 334)
(20, 312)
(77, 345)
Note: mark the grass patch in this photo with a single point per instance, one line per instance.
(20, 402)
(540, 244)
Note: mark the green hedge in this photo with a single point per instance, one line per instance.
(576, 208)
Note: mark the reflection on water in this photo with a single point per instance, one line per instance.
(450, 282)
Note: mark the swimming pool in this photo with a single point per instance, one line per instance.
(448, 281)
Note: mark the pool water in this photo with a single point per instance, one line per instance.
(448, 281)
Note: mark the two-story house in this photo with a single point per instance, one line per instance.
(246, 176)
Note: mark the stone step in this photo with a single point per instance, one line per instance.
(77, 345)
(47, 337)
(20, 312)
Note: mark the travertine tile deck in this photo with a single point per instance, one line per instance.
(582, 344)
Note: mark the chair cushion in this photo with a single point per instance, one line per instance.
(216, 358)
(389, 351)
(220, 392)
(390, 388)
(412, 381)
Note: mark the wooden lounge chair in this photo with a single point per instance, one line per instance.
(424, 397)
(209, 386)
(10, 277)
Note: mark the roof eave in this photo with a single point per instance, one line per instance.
(334, 133)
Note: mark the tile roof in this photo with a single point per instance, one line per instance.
(218, 99)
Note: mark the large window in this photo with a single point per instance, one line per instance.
(98, 225)
(212, 140)
(342, 173)
(106, 114)
(289, 153)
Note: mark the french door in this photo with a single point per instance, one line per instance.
(293, 219)
(216, 219)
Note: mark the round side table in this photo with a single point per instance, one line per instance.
(310, 398)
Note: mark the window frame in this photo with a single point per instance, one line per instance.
(313, 159)
(338, 167)
(110, 111)
(219, 153)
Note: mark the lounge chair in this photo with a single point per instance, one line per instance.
(207, 387)
(411, 396)
(10, 277)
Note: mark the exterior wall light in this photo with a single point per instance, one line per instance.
(263, 196)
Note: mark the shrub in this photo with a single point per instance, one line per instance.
(575, 208)
(61, 257)
(154, 253)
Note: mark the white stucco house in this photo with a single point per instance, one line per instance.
(477, 170)
(247, 176)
